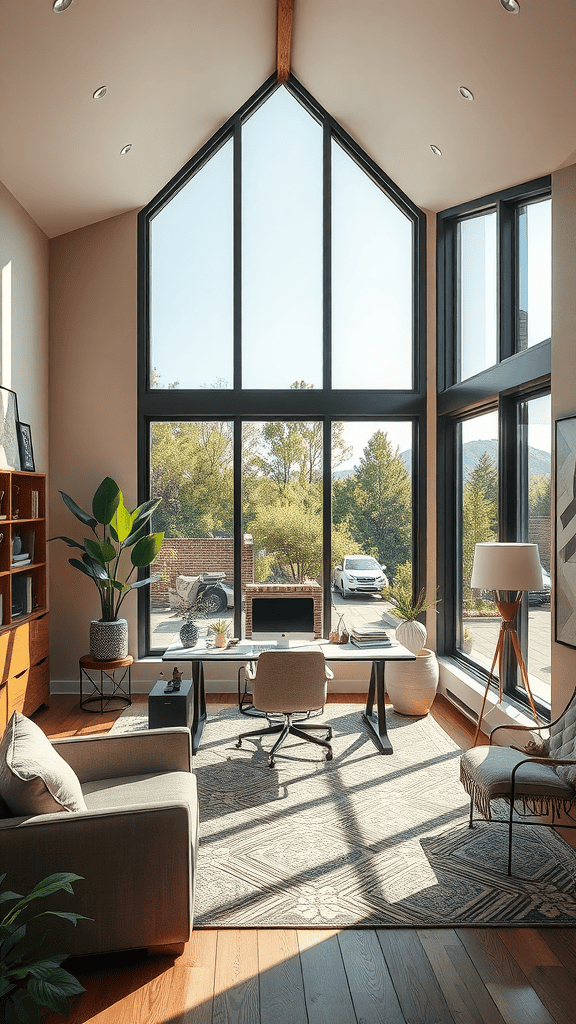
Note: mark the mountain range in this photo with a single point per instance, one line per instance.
(539, 462)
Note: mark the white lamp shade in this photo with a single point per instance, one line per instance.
(506, 567)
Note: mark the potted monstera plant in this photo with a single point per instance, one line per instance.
(120, 546)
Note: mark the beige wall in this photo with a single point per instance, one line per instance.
(563, 367)
(93, 409)
(24, 322)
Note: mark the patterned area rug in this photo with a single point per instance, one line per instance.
(363, 840)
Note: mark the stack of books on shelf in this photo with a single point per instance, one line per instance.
(21, 596)
(371, 638)
(35, 505)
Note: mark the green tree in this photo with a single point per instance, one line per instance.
(290, 535)
(282, 453)
(191, 467)
(376, 503)
(484, 477)
(539, 495)
(478, 527)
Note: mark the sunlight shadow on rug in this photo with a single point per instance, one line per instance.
(362, 840)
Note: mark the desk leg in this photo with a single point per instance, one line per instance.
(377, 724)
(199, 719)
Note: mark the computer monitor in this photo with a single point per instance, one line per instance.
(274, 618)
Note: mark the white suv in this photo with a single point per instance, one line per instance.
(359, 574)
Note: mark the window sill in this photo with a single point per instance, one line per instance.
(466, 693)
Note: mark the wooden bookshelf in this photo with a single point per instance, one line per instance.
(24, 619)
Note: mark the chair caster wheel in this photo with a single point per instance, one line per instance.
(329, 734)
(238, 745)
(272, 764)
(329, 755)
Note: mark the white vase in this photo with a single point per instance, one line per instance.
(412, 685)
(411, 634)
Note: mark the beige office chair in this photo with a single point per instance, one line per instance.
(287, 683)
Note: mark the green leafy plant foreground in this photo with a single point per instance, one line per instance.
(120, 530)
(31, 979)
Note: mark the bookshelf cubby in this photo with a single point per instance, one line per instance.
(24, 617)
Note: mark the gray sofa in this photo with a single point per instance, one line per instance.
(135, 846)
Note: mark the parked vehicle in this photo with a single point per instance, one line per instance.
(210, 588)
(359, 574)
(541, 596)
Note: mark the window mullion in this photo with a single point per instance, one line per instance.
(506, 263)
(327, 259)
(237, 256)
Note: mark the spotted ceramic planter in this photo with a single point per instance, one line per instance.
(108, 640)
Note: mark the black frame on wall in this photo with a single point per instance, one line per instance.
(326, 405)
(517, 376)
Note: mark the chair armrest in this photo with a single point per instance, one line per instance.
(535, 760)
(133, 753)
(250, 670)
(137, 865)
(517, 728)
(329, 673)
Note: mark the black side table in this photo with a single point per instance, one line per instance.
(109, 690)
(169, 709)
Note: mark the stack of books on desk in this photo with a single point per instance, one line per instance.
(370, 638)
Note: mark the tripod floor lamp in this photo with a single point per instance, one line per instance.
(508, 570)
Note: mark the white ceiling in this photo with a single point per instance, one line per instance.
(177, 69)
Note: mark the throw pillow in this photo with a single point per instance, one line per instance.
(34, 779)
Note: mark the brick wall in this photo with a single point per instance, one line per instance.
(539, 533)
(313, 590)
(183, 556)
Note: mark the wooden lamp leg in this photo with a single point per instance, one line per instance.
(508, 610)
(497, 656)
(523, 673)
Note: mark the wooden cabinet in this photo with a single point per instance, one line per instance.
(24, 617)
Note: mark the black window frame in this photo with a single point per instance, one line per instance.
(517, 376)
(324, 404)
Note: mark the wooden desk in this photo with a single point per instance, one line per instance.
(374, 714)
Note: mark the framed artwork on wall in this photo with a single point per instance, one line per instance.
(565, 588)
(25, 445)
(9, 448)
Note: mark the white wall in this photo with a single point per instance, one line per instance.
(24, 320)
(563, 369)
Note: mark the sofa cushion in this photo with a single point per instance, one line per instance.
(34, 779)
(137, 790)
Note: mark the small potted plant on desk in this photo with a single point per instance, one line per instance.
(219, 629)
(411, 685)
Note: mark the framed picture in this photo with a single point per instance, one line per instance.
(25, 445)
(9, 448)
(565, 589)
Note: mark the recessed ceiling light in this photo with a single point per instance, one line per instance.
(61, 5)
(512, 6)
(466, 93)
(436, 150)
(126, 149)
(99, 93)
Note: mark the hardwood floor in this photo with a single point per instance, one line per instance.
(356, 976)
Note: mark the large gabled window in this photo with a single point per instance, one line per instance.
(282, 370)
(494, 316)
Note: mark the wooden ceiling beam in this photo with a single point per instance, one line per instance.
(284, 39)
